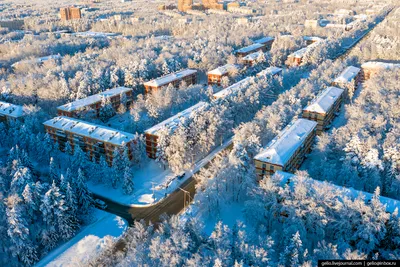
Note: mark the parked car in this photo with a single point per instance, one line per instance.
(180, 176)
(100, 204)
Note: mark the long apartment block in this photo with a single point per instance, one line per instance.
(323, 107)
(94, 139)
(152, 135)
(287, 150)
(76, 108)
(250, 49)
(189, 76)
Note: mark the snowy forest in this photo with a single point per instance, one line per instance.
(45, 195)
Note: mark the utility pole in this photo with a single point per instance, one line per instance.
(152, 189)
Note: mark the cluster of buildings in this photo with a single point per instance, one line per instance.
(287, 150)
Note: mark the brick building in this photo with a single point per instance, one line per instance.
(189, 76)
(348, 79)
(10, 112)
(251, 59)
(215, 76)
(69, 13)
(296, 58)
(152, 134)
(94, 139)
(286, 151)
(372, 68)
(250, 49)
(324, 107)
(78, 107)
(267, 41)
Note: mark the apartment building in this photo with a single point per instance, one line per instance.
(94, 139)
(10, 112)
(296, 58)
(251, 59)
(287, 150)
(348, 79)
(233, 89)
(324, 107)
(372, 68)
(215, 76)
(152, 134)
(93, 102)
(189, 76)
(267, 41)
(69, 13)
(270, 72)
(250, 49)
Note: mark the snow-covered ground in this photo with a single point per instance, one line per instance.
(151, 182)
(88, 243)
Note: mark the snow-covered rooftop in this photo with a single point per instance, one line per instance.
(232, 89)
(174, 121)
(252, 56)
(91, 130)
(324, 101)
(250, 48)
(264, 40)
(84, 102)
(347, 75)
(379, 65)
(282, 147)
(36, 60)
(11, 110)
(300, 53)
(165, 80)
(223, 69)
(95, 34)
(269, 71)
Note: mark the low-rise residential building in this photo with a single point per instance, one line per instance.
(93, 102)
(250, 49)
(10, 112)
(94, 139)
(324, 107)
(267, 41)
(348, 79)
(152, 135)
(233, 89)
(189, 76)
(215, 76)
(251, 59)
(372, 68)
(296, 58)
(241, 10)
(287, 150)
(270, 71)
